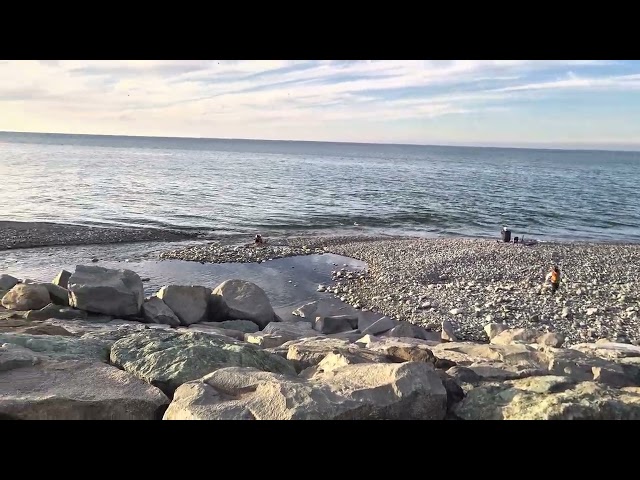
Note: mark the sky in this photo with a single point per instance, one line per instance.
(550, 103)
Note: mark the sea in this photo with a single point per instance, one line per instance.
(224, 187)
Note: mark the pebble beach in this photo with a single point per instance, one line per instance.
(472, 282)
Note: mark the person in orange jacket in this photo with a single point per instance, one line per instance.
(553, 277)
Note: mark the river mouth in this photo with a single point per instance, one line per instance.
(288, 282)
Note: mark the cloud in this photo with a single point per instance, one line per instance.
(281, 99)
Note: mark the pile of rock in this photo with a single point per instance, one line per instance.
(222, 253)
(191, 352)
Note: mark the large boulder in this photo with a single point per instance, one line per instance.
(246, 301)
(167, 360)
(189, 303)
(62, 279)
(77, 390)
(155, 310)
(26, 297)
(60, 347)
(103, 290)
(549, 398)
(58, 295)
(7, 282)
(408, 391)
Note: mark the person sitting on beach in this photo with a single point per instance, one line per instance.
(553, 277)
(258, 240)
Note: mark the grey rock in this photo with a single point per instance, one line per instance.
(381, 325)
(410, 353)
(102, 290)
(608, 350)
(245, 326)
(291, 329)
(324, 308)
(308, 352)
(77, 390)
(265, 340)
(466, 354)
(62, 279)
(7, 282)
(388, 345)
(189, 303)
(408, 330)
(58, 295)
(60, 347)
(337, 324)
(448, 334)
(616, 378)
(408, 391)
(551, 339)
(205, 327)
(167, 360)
(155, 310)
(44, 329)
(14, 356)
(494, 329)
(218, 310)
(55, 311)
(455, 393)
(549, 398)
(246, 301)
(516, 335)
(346, 357)
(26, 297)
(464, 375)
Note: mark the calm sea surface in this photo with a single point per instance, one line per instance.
(226, 187)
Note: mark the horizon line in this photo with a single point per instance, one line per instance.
(539, 146)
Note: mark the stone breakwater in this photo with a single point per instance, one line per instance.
(88, 345)
(39, 234)
(469, 283)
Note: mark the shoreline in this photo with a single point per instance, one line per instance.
(19, 235)
(16, 235)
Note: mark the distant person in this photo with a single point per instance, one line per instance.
(258, 240)
(506, 235)
(553, 277)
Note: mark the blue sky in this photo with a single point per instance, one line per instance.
(553, 103)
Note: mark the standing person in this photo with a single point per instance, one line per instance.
(554, 278)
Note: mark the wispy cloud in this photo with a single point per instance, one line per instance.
(290, 99)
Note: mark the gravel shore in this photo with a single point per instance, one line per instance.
(472, 282)
(40, 234)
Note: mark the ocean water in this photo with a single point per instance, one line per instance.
(229, 187)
